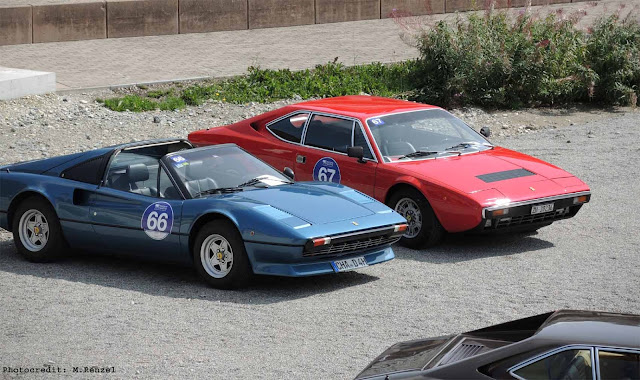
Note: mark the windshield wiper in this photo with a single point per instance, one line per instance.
(219, 190)
(259, 179)
(467, 144)
(420, 153)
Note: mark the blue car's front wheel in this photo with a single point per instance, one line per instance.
(220, 256)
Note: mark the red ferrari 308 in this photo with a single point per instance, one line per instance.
(428, 165)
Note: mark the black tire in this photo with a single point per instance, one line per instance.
(55, 246)
(431, 233)
(240, 273)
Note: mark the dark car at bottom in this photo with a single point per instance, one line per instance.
(566, 344)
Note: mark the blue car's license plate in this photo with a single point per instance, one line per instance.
(349, 264)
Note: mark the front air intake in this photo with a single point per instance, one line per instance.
(461, 352)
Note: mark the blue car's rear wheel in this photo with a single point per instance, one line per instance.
(37, 233)
(220, 256)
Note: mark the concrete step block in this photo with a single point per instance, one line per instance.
(15, 83)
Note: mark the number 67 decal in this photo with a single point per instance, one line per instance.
(326, 170)
(157, 220)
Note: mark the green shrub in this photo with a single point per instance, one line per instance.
(130, 103)
(614, 54)
(492, 61)
(331, 79)
(172, 103)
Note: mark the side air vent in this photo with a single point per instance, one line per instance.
(508, 174)
(461, 352)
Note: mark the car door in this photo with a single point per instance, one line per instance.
(323, 155)
(131, 215)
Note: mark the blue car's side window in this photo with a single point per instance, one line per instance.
(134, 173)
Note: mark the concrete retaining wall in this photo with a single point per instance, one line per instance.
(15, 25)
(67, 20)
(133, 18)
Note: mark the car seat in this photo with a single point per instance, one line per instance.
(139, 173)
(197, 178)
(397, 148)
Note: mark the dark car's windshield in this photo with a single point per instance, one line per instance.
(427, 133)
(219, 169)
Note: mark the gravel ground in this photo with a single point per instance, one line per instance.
(154, 320)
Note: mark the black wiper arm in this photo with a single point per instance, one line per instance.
(420, 153)
(219, 190)
(467, 144)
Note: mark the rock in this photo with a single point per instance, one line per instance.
(84, 101)
(568, 141)
(156, 119)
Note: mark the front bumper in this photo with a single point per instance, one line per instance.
(520, 217)
(288, 261)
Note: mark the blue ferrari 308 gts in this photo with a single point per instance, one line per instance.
(219, 208)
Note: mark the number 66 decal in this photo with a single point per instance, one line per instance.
(157, 220)
(326, 170)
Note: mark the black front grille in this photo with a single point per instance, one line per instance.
(353, 245)
(532, 219)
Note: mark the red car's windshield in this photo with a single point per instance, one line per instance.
(426, 133)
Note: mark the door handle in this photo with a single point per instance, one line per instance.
(301, 159)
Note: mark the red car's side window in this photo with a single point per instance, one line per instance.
(290, 128)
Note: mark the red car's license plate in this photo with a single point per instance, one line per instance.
(539, 209)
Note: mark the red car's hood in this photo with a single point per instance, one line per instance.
(463, 172)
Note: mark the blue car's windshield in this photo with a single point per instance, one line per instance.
(219, 169)
(427, 133)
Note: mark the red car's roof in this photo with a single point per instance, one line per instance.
(361, 106)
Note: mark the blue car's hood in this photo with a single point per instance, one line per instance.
(315, 204)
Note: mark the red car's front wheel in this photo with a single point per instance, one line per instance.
(424, 230)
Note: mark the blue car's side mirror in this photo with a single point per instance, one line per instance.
(289, 173)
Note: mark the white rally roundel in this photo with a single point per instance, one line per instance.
(326, 170)
(157, 220)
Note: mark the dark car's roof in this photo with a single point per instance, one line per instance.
(592, 327)
(62, 162)
(361, 106)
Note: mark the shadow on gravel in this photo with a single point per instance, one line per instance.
(168, 280)
(459, 248)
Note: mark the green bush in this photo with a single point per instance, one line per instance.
(494, 62)
(614, 54)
